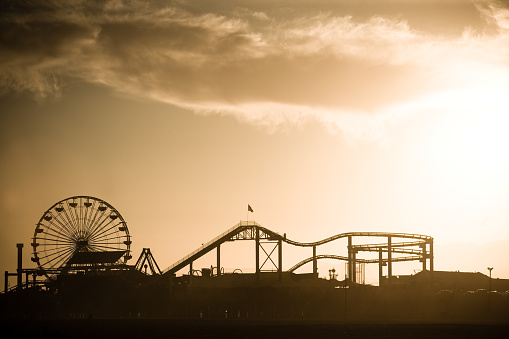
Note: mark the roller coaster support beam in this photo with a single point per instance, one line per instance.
(20, 266)
(218, 259)
(257, 252)
(389, 257)
(431, 256)
(424, 256)
(280, 260)
(354, 266)
(315, 266)
(350, 261)
(380, 267)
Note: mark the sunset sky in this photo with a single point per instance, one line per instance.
(326, 116)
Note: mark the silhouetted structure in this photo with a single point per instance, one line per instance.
(94, 281)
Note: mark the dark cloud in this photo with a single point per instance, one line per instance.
(343, 56)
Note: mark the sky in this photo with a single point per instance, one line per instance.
(325, 116)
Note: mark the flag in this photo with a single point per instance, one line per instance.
(249, 209)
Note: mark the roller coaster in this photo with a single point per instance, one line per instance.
(421, 249)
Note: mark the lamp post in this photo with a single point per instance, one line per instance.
(489, 293)
(490, 269)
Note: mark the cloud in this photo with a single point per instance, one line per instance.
(351, 67)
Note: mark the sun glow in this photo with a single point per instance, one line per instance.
(468, 164)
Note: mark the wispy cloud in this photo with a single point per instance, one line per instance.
(351, 69)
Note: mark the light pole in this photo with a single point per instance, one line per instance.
(490, 269)
(489, 293)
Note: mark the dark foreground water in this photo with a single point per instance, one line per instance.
(159, 328)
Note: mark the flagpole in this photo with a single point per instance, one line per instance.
(249, 209)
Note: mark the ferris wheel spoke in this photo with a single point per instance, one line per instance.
(57, 247)
(50, 218)
(49, 256)
(110, 241)
(58, 244)
(107, 243)
(64, 258)
(104, 233)
(60, 258)
(100, 224)
(106, 247)
(65, 225)
(56, 235)
(76, 218)
(97, 216)
(99, 231)
(51, 246)
(77, 214)
(86, 219)
(69, 220)
(53, 252)
(110, 237)
(100, 215)
(55, 243)
(68, 215)
(71, 212)
(55, 229)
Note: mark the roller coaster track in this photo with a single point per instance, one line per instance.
(360, 234)
(244, 230)
(247, 230)
(339, 257)
(376, 247)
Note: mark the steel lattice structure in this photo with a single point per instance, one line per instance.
(419, 249)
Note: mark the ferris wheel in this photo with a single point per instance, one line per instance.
(75, 225)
